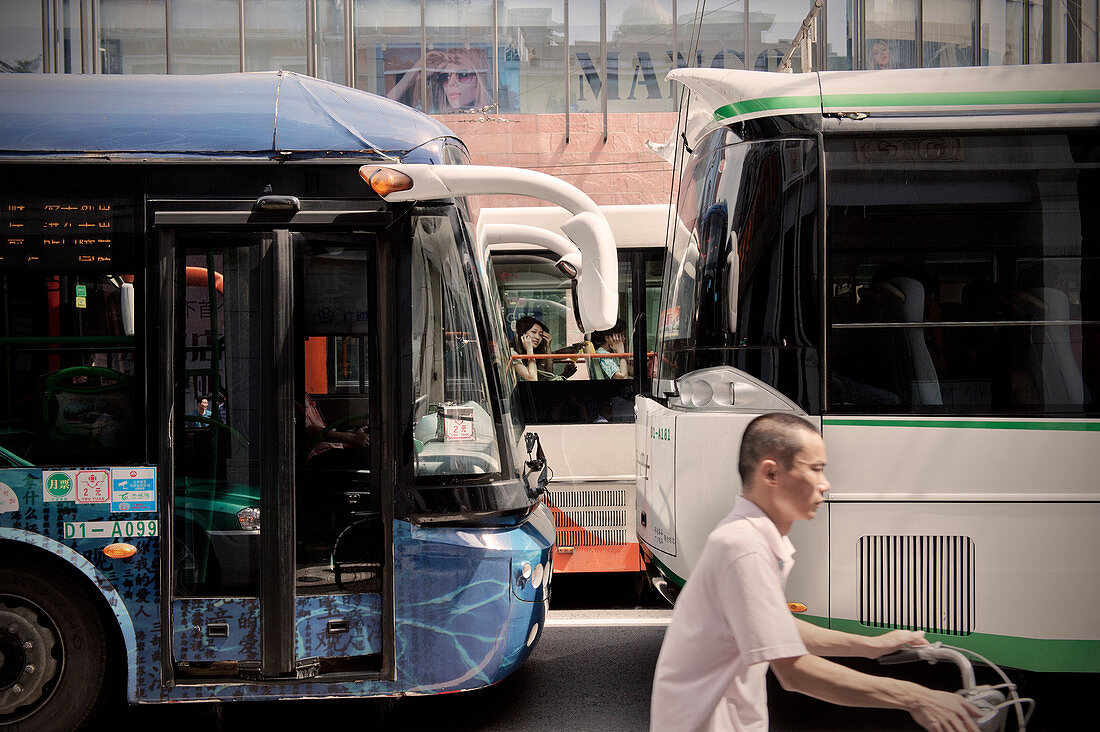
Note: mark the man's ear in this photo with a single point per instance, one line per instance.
(768, 470)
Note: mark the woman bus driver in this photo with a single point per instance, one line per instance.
(532, 337)
(456, 81)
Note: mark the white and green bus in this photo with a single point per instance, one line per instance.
(910, 259)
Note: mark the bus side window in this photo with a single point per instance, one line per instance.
(68, 370)
(973, 304)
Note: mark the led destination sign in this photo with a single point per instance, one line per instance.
(54, 234)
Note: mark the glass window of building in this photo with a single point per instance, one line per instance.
(329, 31)
(20, 37)
(387, 49)
(585, 59)
(947, 32)
(772, 27)
(534, 32)
(890, 34)
(204, 37)
(639, 54)
(836, 41)
(460, 59)
(721, 39)
(1036, 49)
(275, 35)
(1002, 33)
(132, 37)
(1090, 39)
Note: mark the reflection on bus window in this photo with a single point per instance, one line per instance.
(338, 505)
(953, 293)
(454, 431)
(69, 394)
(749, 203)
(218, 460)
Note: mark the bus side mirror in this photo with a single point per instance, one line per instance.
(507, 235)
(598, 277)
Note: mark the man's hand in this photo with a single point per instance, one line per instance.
(942, 711)
(895, 640)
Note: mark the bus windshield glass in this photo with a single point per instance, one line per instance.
(455, 431)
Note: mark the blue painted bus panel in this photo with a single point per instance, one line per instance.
(192, 639)
(129, 586)
(363, 613)
(462, 620)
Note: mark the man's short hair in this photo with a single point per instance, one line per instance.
(773, 436)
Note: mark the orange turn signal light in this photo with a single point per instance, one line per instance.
(385, 180)
(796, 607)
(120, 551)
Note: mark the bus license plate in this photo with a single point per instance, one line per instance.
(110, 529)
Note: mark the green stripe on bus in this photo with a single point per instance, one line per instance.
(912, 99)
(971, 424)
(767, 104)
(1031, 654)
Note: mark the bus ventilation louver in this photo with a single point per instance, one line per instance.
(917, 582)
(590, 517)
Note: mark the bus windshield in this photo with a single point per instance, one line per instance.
(455, 428)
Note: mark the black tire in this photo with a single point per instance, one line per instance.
(48, 622)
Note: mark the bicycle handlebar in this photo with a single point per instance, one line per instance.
(988, 699)
(932, 653)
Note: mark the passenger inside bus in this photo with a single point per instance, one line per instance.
(331, 447)
(532, 339)
(611, 341)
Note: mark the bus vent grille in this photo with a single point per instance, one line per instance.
(596, 498)
(596, 517)
(917, 583)
(594, 537)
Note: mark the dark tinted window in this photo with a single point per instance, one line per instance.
(963, 274)
(748, 211)
(69, 390)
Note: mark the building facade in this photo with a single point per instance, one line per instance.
(571, 88)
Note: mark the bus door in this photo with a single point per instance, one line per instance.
(278, 549)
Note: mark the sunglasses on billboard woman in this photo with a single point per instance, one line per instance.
(462, 77)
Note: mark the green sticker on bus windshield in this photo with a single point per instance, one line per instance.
(57, 486)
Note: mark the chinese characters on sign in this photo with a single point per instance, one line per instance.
(57, 233)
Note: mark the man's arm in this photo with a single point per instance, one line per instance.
(831, 682)
(825, 642)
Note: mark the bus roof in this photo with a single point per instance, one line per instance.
(264, 115)
(734, 96)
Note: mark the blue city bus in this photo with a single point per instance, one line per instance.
(258, 436)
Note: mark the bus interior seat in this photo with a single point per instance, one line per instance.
(1051, 358)
(925, 384)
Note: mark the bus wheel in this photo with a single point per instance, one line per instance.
(53, 651)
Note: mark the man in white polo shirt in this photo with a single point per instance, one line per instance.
(731, 619)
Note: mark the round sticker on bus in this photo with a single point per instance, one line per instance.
(59, 485)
